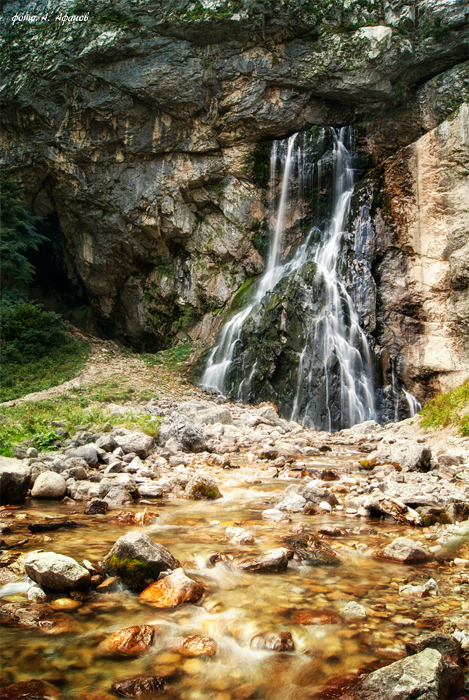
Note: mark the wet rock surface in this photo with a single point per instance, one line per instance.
(56, 571)
(173, 590)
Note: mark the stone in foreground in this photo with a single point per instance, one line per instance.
(136, 560)
(273, 560)
(31, 690)
(56, 571)
(426, 676)
(14, 480)
(131, 641)
(405, 551)
(173, 590)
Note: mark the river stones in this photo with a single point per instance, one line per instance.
(446, 644)
(14, 480)
(87, 452)
(273, 560)
(309, 549)
(137, 560)
(49, 485)
(56, 571)
(33, 689)
(173, 590)
(274, 515)
(279, 641)
(139, 443)
(316, 617)
(65, 604)
(202, 486)
(194, 645)
(38, 617)
(130, 641)
(96, 506)
(179, 432)
(139, 687)
(405, 551)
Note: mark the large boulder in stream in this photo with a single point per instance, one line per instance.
(138, 561)
(15, 477)
(56, 571)
(49, 485)
(202, 487)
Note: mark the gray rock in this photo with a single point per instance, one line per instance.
(269, 413)
(411, 456)
(446, 644)
(49, 485)
(106, 442)
(139, 443)
(316, 494)
(56, 571)
(96, 506)
(32, 452)
(404, 550)
(78, 473)
(118, 496)
(136, 559)
(14, 480)
(426, 676)
(273, 560)
(182, 433)
(150, 489)
(293, 503)
(202, 486)
(87, 452)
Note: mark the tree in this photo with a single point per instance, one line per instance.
(18, 234)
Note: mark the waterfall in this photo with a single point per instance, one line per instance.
(298, 341)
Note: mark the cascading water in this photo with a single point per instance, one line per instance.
(298, 342)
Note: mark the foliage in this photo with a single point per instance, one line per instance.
(18, 228)
(445, 409)
(171, 358)
(36, 353)
(31, 420)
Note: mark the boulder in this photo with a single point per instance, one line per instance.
(181, 431)
(131, 641)
(56, 571)
(202, 487)
(293, 503)
(150, 489)
(194, 645)
(136, 560)
(405, 551)
(206, 413)
(173, 590)
(139, 443)
(49, 485)
(87, 452)
(425, 675)
(15, 476)
(269, 413)
(446, 644)
(273, 560)
(106, 442)
(411, 456)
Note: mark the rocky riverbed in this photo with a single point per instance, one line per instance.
(239, 555)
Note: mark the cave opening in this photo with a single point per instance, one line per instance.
(56, 286)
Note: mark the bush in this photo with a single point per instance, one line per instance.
(448, 409)
(36, 353)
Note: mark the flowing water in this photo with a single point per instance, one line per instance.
(239, 608)
(318, 367)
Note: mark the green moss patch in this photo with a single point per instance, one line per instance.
(136, 574)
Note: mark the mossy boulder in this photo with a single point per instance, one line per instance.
(138, 561)
(203, 487)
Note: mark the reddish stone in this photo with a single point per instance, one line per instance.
(30, 690)
(316, 617)
(130, 641)
(194, 646)
(173, 590)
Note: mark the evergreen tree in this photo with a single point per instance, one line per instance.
(18, 234)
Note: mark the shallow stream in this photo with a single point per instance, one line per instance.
(239, 609)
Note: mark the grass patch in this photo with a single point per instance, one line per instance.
(445, 409)
(170, 358)
(59, 365)
(30, 421)
(113, 392)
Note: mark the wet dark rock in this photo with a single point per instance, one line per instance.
(330, 531)
(96, 506)
(273, 560)
(14, 480)
(173, 590)
(309, 549)
(280, 641)
(56, 571)
(218, 557)
(136, 559)
(131, 641)
(202, 486)
(139, 687)
(30, 690)
(48, 526)
(396, 509)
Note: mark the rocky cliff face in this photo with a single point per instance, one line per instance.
(140, 130)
